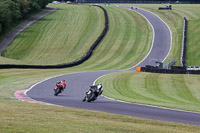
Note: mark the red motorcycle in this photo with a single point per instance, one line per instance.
(60, 86)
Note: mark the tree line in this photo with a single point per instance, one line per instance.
(11, 11)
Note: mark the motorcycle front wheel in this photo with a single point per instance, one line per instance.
(57, 91)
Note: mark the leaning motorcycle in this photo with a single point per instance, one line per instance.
(93, 93)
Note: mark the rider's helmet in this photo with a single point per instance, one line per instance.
(99, 86)
(64, 83)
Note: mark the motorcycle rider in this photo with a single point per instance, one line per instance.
(61, 83)
(97, 89)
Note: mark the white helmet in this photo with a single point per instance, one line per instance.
(99, 86)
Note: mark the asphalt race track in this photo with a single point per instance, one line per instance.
(78, 83)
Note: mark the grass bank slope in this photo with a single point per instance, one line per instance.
(63, 36)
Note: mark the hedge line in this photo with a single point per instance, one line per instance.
(71, 64)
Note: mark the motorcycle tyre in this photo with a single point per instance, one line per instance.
(57, 91)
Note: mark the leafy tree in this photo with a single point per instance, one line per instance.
(14, 9)
(24, 7)
(5, 16)
(35, 4)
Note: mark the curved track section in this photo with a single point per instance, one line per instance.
(162, 38)
(78, 83)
